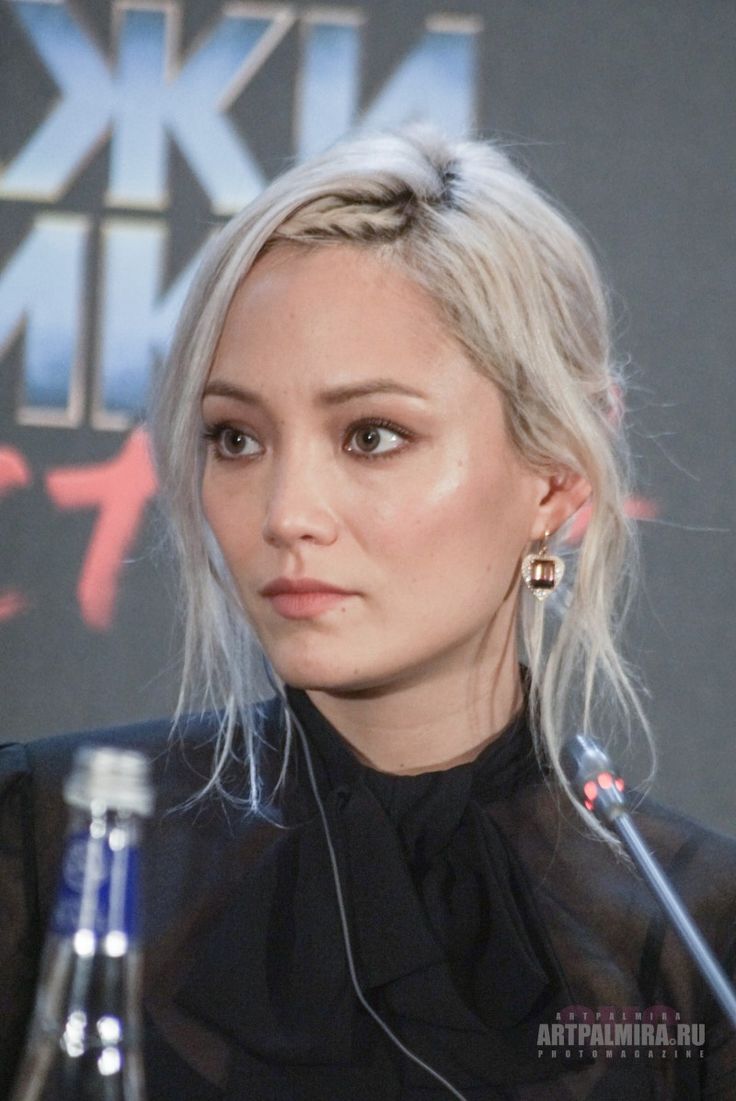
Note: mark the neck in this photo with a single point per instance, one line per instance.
(420, 726)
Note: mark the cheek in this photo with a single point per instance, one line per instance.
(227, 515)
(466, 524)
(434, 517)
(213, 507)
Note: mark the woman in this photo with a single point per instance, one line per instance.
(390, 391)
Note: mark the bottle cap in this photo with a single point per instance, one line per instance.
(120, 779)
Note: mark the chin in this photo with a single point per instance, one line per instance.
(322, 675)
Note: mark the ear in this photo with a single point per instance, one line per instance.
(563, 493)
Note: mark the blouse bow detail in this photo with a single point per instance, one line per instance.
(446, 944)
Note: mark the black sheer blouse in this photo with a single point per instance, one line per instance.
(486, 926)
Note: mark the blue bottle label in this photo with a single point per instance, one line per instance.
(97, 887)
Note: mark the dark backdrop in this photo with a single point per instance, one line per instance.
(110, 184)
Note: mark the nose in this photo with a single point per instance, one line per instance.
(298, 501)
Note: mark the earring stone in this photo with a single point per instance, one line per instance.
(542, 572)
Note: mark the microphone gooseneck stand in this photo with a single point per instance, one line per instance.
(601, 790)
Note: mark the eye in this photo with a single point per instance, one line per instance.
(376, 438)
(229, 443)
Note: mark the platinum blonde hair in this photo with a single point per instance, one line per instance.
(519, 289)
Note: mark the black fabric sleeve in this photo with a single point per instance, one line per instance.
(719, 1071)
(21, 934)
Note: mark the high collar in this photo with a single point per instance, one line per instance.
(507, 762)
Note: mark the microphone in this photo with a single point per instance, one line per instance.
(601, 790)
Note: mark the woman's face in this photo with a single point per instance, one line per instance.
(351, 443)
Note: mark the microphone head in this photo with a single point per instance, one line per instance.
(582, 759)
(593, 778)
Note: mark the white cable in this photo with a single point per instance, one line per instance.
(343, 916)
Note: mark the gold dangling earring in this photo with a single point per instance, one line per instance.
(542, 572)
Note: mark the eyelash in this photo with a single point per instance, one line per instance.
(379, 422)
(213, 433)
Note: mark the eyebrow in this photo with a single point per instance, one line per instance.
(335, 396)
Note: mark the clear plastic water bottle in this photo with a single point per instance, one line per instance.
(85, 1039)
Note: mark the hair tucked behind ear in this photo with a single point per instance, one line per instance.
(519, 289)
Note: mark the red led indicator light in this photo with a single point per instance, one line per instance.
(620, 784)
(605, 779)
(591, 790)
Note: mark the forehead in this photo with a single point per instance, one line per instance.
(332, 311)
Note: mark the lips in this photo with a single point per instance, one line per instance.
(303, 598)
(299, 585)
